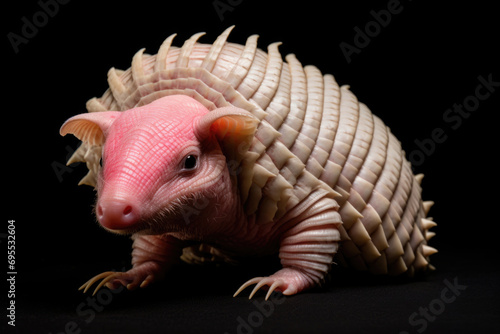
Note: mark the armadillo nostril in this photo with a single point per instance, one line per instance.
(127, 210)
(117, 214)
(99, 211)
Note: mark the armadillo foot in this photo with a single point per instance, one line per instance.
(273, 283)
(287, 280)
(140, 276)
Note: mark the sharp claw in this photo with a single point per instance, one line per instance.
(274, 286)
(146, 282)
(94, 279)
(83, 286)
(247, 284)
(260, 282)
(87, 285)
(258, 286)
(253, 292)
(104, 281)
(112, 278)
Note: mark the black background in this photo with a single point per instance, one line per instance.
(427, 59)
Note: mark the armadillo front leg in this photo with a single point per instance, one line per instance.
(306, 250)
(152, 256)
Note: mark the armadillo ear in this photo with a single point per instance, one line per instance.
(233, 127)
(90, 128)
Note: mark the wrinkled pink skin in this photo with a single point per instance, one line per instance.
(144, 190)
(143, 172)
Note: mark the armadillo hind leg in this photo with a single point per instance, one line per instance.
(206, 254)
(306, 250)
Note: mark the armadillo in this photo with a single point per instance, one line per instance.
(217, 152)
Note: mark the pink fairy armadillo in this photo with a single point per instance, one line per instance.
(214, 152)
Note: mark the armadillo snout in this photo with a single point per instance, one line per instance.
(117, 214)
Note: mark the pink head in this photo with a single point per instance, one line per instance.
(160, 160)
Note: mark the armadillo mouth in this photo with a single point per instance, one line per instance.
(160, 223)
(136, 228)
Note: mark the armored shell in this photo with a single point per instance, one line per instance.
(312, 133)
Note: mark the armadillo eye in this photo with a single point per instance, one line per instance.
(190, 162)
